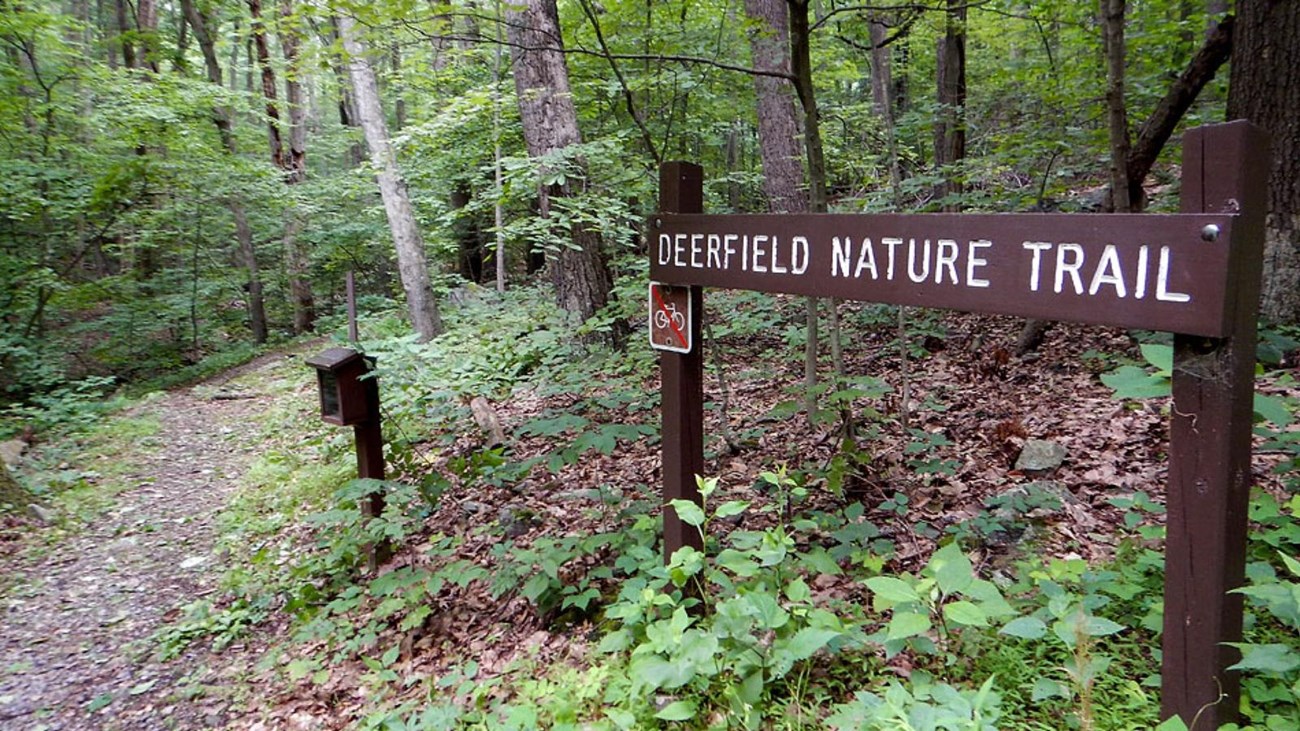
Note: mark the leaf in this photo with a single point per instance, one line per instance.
(807, 641)
(301, 668)
(952, 569)
(750, 689)
(1028, 628)
(656, 672)
(1276, 659)
(1100, 627)
(965, 614)
(1044, 689)
(688, 512)
(1292, 565)
(1172, 724)
(819, 561)
(101, 700)
(391, 655)
(907, 624)
(730, 508)
(892, 589)
(1272, 408)
(1131, 382)
(677, 711)
(797, 590)
(1161, 356)
(145, 687)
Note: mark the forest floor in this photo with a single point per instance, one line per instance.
(80, 613)
(84, 608)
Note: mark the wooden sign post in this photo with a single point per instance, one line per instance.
(1225, 170)
(1195, 274)
(349, 396)
(681, 190)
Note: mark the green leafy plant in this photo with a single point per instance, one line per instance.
(920, 705)
(1136, 382)
(942, 602)
(1272, 668)
(200, 619)
(737, 629)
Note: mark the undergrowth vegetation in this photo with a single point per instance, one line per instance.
(528, 590)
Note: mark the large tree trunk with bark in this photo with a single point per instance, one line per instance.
(412, 263)
(1265, 89)
(950, 124)
(778, 119)
(550, 122)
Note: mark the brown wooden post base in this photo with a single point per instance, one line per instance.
(681, 190)
(369, 439)
(1225, 170)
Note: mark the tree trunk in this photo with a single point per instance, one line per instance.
(268, 84)
(125, 32)
(146, 16)
(469, 245)
(818, 199)
(248, 254)
(950, 125)
(398, 91)
(412, 263)
(550, 121)
(778, 121)
(801, 67)
(243, 232)
(348, 116)
(1112, 23)
(881, 73)
(297, 262)
(498, 207)
(1265, 89)
(771, 47)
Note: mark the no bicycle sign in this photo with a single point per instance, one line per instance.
(670, 318)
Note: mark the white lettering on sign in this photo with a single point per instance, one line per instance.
(760, 253)
(1071, 264)
(940, 259)
(1063, 268)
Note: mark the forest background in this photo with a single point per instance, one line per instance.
(186, 179)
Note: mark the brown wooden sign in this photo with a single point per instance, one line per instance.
(1196, 274)
(1157, 272)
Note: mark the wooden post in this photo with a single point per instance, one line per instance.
(352, 307)
(681, 190)
(369, 439)
(1225, 170)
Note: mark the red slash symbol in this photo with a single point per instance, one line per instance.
(668, 314)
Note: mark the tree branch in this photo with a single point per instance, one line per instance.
(622, 82)
(1162, 122)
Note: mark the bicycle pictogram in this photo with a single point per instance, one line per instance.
(669, 312)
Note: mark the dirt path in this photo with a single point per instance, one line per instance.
(75, 647)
